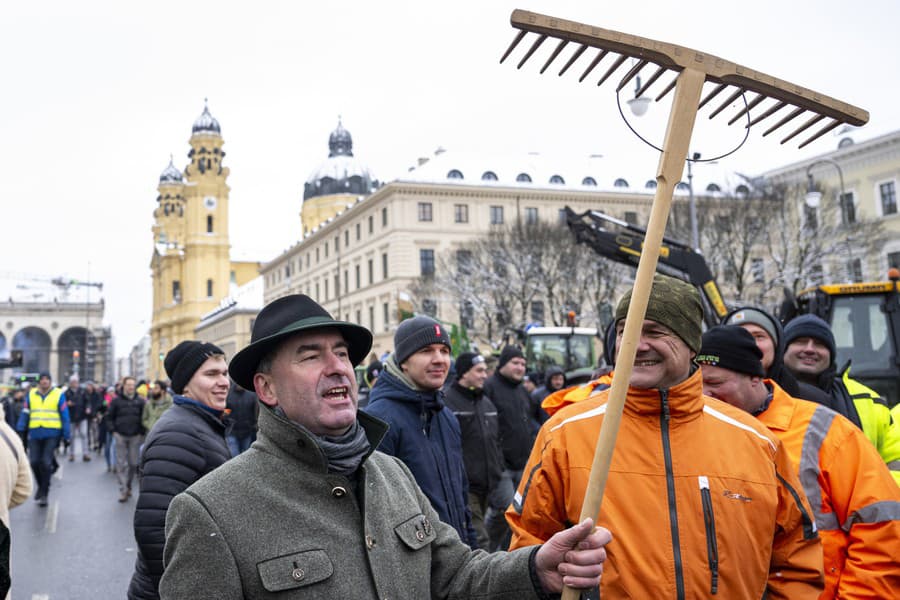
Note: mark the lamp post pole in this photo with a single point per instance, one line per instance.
(692, 206)
(814, 198)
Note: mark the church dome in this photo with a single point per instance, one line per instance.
(341, 172)
(171, 174)
(206, 123)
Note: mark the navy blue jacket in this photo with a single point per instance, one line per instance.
(425, 435)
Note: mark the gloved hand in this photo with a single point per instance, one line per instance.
(66, 444)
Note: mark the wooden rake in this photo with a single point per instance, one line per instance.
(685, 71)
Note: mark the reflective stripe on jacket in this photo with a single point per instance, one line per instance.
(701, 497)
(853, 497)
(44, 410)
(877, 424)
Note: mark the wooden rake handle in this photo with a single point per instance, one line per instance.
(671, 167)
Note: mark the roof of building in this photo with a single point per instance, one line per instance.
(171, 174)
(341, 172)
(206, 123)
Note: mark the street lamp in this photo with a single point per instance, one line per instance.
(814, 199)
(638, 104)
(692, 206)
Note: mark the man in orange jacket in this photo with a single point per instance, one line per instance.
(707, 497)
(853, 496)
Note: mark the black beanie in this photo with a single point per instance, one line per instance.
(465, 361)
(416, 333)
(731, 347)
(183, 360)
(810, 326)
(509, 353)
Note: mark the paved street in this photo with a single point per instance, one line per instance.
(81, 546)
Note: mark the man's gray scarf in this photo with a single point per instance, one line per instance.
(345, 452)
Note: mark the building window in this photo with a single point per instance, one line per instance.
(461, 213)
(424, 211)
(888, 198)
(742, 190)
(307, 260)
(429, 307)
(854, 270)
(346, 281)
(464, 262)
(455, 174)
(384, 265)
(589, 181)
(326, 249)
(713, 188)
(209, 288)
(561, 216)
(209, 224)
(317, 256)
(467, 314)
(359, 317)
(337, 244)
(557, 179)
(496, 215)
(356, 273)
(346, 238)
(372, 318)
(650, 185)
(816, 275)
(371, 224)
(337, 285)
(893, 260)
(758, 270)
(531, 215)
(386, 316)
(489, 176)
(631, 217)
(537, 312)
(620, 183)
(426, 262)
(317, 291)
(176, 292)
(371, 272)
(682, 186)
(358, 232)
(326, 288)
(384, 217)
(523, 178)
(848, 209)
(287, 270)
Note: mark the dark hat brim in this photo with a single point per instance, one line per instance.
(243, 366)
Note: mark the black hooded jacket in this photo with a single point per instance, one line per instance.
(516, 431)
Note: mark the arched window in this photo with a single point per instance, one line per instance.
(742, 190)
(682, 186)
(622, 183)
(557, 179)
(523, 177)
(489, 176)
(589, 181)
(209, 224)
(713, 188)
(650, 185)
(455, 174)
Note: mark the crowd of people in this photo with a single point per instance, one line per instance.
(746, 464)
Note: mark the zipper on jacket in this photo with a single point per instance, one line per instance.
(712, 549)
(670, 492)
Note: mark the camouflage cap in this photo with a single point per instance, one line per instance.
(675, 304)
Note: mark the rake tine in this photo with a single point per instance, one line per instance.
(784, 120)
(593, 64)
(512, 46)
(537, 44)
(575, 57)
(631, 73)
(668, 89)
(821, 132)
(650, 82)
(812, 121)
(728, 101)
(750, 106)
(614, 66)
(712, 95)
(559, 47)
(769, 112)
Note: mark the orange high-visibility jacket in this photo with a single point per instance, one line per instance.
(701, 499)
(852, 494)
(570, 395)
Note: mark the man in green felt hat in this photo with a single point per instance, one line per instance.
(311, 510)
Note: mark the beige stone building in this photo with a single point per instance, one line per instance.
(191, 265)
(230, 324)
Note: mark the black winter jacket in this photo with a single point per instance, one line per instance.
(78, 402)
(244, 408)
(124, 415)
(478, 422)
(186, 443)
(513, 406)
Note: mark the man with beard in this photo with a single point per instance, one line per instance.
(124, 417)
(158, 402)
(423, 433)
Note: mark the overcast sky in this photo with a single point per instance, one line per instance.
(97, 95)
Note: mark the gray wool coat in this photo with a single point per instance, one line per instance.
(273, 523)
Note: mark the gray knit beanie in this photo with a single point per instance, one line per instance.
(416, 333)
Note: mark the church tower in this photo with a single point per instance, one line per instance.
(190, 264)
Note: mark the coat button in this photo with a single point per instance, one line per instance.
(338, 492)
(298, 574)
(420, 535)
(370, 542)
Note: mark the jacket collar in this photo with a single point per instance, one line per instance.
(277, 430)
(685, 400)
(778, 416)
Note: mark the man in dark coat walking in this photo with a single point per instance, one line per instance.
(124, 420)
(243, 407)
(186, 443)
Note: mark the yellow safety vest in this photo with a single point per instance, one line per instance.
(44, 410)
